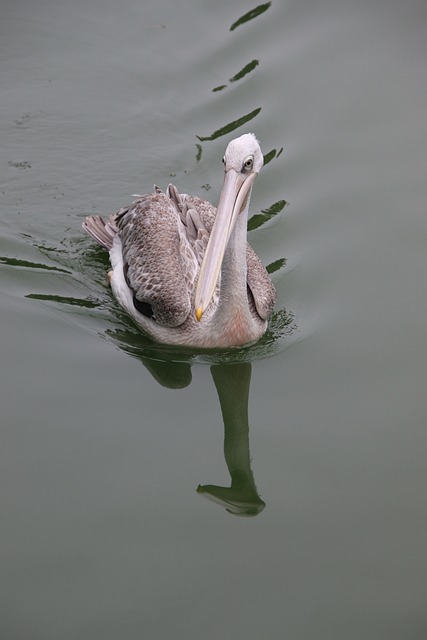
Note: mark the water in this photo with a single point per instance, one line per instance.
(110, 444)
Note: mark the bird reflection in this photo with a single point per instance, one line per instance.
(232, 382)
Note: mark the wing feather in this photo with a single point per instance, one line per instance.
(259, 282)
(155, 265)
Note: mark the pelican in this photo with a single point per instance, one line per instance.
(182, 269)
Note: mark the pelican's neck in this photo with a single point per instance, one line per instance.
(234, 323)
(234, 269)
(233, 273)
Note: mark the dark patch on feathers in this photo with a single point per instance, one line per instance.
(143, 307)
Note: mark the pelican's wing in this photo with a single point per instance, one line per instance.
(158, 260)
(205, 210)
(103, 231)
(259, 282)
(199, 216)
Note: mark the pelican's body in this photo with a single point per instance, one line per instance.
(184, 270)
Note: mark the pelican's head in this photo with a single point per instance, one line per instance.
(242, 160)
(243, 155)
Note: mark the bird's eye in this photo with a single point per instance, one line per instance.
(223, 160)
(248, 164)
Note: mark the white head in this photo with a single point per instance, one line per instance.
(244, 155)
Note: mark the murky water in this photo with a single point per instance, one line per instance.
(109, 443)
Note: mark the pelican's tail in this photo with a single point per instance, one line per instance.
(103, 231)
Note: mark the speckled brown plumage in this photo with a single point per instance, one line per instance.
(164, 236)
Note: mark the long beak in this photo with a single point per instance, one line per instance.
(232, 201)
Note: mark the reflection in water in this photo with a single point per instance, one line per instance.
(241, 74)
(276, 265)
(26, 264)
(250, 15)
(250, 66)
(199, 152)
(232, 382)
(172, 375)
(231, 126)
(246, 69)
(241, 498)
(271, 155)
(76, 302)
(259, 219)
